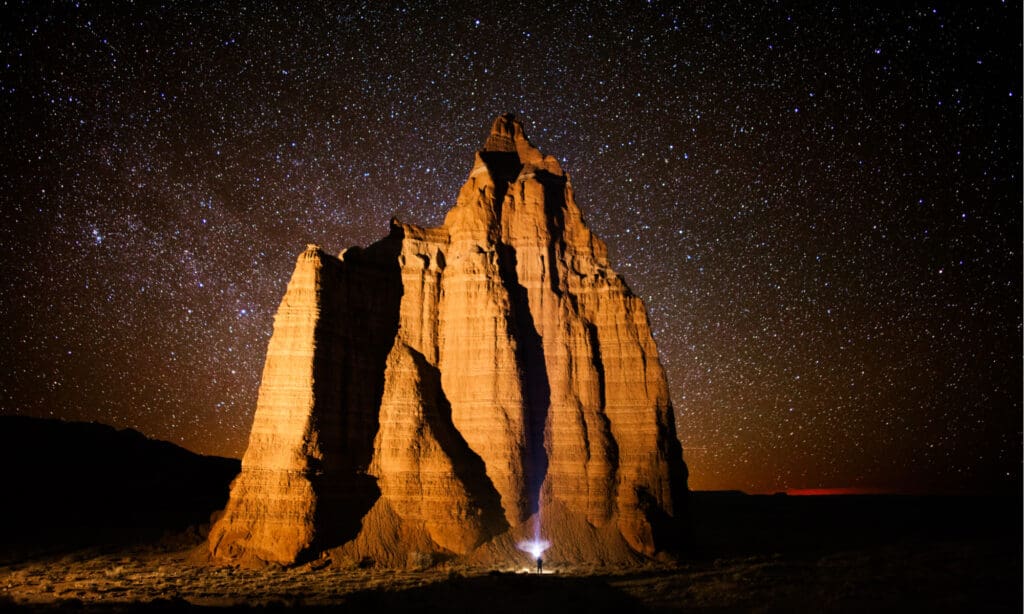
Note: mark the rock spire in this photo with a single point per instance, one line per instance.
(448, 391)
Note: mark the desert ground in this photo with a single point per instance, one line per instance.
(755, 553)
(99, 520)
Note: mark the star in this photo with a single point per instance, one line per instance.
(164, 166)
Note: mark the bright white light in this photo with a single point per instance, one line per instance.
(536, 547)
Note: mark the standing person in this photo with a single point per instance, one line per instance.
(540, 565)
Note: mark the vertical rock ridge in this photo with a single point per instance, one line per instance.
(424, 467)
(283, 445)
(458, 385)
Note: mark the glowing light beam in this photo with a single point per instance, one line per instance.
(535, 547)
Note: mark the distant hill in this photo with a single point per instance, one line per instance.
(731, 523)
(76, 484)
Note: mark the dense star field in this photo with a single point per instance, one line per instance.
(821, 208)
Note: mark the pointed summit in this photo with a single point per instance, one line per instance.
(507, 137)
(505, 131)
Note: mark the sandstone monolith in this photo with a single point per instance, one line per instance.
(450, 391)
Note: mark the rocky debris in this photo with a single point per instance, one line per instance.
(454, 385)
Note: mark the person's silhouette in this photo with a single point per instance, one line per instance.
(540, 565)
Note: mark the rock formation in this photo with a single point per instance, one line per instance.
(451, 390)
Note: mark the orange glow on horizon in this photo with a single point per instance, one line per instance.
(845, 490)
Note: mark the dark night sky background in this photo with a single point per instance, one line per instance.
(821, 207)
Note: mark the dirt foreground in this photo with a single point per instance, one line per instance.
(948, 576)
(754, 554)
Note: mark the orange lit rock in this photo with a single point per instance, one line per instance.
(446, 389)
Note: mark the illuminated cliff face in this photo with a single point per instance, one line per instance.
(453, 389)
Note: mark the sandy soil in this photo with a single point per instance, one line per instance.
(754, 554)
(975, 575)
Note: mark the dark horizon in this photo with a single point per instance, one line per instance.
(826, 491)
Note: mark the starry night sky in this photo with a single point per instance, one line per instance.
(820, 207)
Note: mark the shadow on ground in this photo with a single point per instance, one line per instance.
(496, 593)
(502, 593)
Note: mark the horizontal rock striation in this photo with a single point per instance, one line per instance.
(463, 386)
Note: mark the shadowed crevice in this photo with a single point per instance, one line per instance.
(605, 425)
(467, 465)
(503, 167)
(554, 217)
(533, 375)
(678, 532)
(353, 337)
